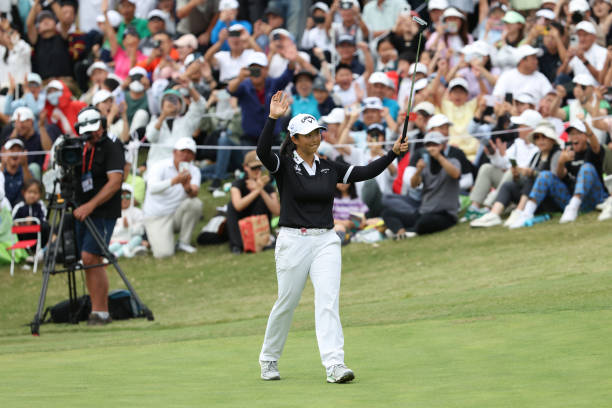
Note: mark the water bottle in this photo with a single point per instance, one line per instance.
(536, 220)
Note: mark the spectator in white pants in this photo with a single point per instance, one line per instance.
(171, 203)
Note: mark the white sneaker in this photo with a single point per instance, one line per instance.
(569, 215)
(339, 373)
(127, 252)
(602, 206)
(520, 221)
(513, 217)
(486, 221)
(181, 246)
(140, 250)
(606, 212)
(269, 370)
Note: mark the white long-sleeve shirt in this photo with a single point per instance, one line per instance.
(135, 227)
(520, 151)
(163, 198)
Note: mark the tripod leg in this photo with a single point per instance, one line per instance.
(112, 259)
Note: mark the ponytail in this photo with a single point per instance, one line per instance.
(287, 147)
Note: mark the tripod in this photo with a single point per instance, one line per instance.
(65, 236)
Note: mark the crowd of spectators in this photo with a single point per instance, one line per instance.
(510, 105)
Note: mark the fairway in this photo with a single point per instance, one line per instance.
(465, 318)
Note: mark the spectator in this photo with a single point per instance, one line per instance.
(452, 34)
(379, 84)
(127, 8)
(60, 108)
(171, 203)
(163, 56)
(156, 24)
(252, 195)
(33, 207)
(315, 34)
(15, 170)
(586, 57)
(196, 17)
(228, 11)
(346, 48)
(128, 233)
(281, 42)
(116, 116)
(126, 54)
(304, 100)
(137, 104)
(97, 73)
(33, 97)
(231, 62)
(186, 45)
(326, 101)
(380, 15)
(348, 210)
(351, 22)
(15, 55)
(273, 19)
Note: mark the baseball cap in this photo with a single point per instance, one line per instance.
(23, 113)
(335, 116)
(281, 32)
(348, 4)
(114, 18)
(526, 50)
(303, 124)
(251, 159)
(372, 102)
(452, 12)
(437, 121)
(88, 120)
(547, 129)
(426, 107)
(437, 5)
(55, 84)
(12, 143)
(378, 78)
(420, 84)
(546, 13)
(376, 127)
(228, 5)
(137, 71)
(434, 137)
(525, 97)
(258, 58)
(34, 77)
(157, 13)
(131, 30)
(101, 96)
(512, 17)
(321, 6)
(479, 47)
(187, 40)
(236, 28)
(529, 118)
(576, 124)
(303, 72)
(319, 84)
(587, 27)
(584, 80)
(346, 38)
(273, 10)
(458, 82)
(185, 143)
(420, 68)
(191, 58)
(127, 187)
(96, 65)
(581, 6)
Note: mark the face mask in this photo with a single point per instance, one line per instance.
(136, 86)
(14, 39)
(53, 97)
(452, 27)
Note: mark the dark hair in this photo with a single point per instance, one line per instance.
(343, 66)
(287, 147)
(111, 84)
(463, 33)
(30, 183)
(351, 190)
(386, 38)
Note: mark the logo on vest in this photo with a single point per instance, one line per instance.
(298, 169)
(324, 171)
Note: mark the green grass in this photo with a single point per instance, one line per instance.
(465, 318)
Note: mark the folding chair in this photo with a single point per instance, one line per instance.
(28, 243)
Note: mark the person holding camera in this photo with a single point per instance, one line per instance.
(307, 244)
(98, 197)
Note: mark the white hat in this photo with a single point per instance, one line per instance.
(576, 124)
(452, 12)
(578, 5)
(228, 5)
(421, 84)
(480, 48)
(185, 143)
(426, 107)
(420, 68)
(437, 5)
(434, 137)
(114, 18)
(437, 121)
(34, 77)
(584, 80)
(546, 13)
(280, 31)
(187, 40)
(303, 124)
(88, 120)
(529, 118)
(548, 130)
(23, 113)
(335, 116)
(137, 71)
(236, 27)
(127, 187)
(13, 142)
(321, 6)
(191, 58)
(526, 50)
(372, 102)
(587, 27)
(352, 2)
(550, 1)
(101, 96)
(458, 82)
(378, 78)
(96, 65)
(525, 97)
(55, 84)
(258, 58)
(157, 13)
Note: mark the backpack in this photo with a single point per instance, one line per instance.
(121, 306)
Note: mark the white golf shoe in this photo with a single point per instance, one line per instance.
(486, 221)
(513, 217)
(339, 373)
(269, 370)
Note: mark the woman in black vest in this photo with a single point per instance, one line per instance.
(307, 244)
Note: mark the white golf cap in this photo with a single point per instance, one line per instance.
(434, 137)
(581, 6)
(378, 78)
(547, 129)
(114, 18)
(13, 142)
(529, 118)
(283, 32)
(157, 13)
(187, 40)
(185, 143)
(420, 68)
(587, 27)
(584, 80)
(335, 116)
(127, 187)
(23, 113)
(525, 97)
(512, 17)
(437, 5)
(97, 65)
(452, 12)
(34, 77)
(303, 124)
(55, 84)
(421, 84)
(426, 107)
(320, 6)
(137, 71)
(88, 120)
(101, 96)
(576, 124)
(236, 27)
(228, 5)
(258, 58)
(481, 48)
(437, 121)
(546, 13)
(458, 82)
(526, 50)
(191, 58)
(372, 102)
(549, 2)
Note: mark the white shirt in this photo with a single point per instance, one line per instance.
(162, 198)
(362, 157)
(512, 81)
(18, 63)
(123, 234)
(349, 97)
(230, 67)
(383, 17)
(278, 64)
(316, 37)
(89, 10)
(520, 151)
(596, 55)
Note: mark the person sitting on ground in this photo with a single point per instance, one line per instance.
(576, 183)
(252, 195)
(15, 170)
(516, 191)
(127, 238)
(171, 202)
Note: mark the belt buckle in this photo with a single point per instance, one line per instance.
(303, 231)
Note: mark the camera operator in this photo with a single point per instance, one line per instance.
(99, 198)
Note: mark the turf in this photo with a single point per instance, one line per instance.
(465, 318)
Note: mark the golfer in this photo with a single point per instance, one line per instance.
(307, 244)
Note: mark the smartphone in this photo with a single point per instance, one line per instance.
(425, 157)
(513, 163)
(183, 166)
(508, 97)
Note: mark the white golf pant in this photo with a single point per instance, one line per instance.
(299, 253)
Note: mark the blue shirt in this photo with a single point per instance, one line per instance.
(254, 114)
(393, 107)
(214, 34)
(12, 186)
(305, 105)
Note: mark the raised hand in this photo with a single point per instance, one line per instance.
(278, 105)
(399, 147)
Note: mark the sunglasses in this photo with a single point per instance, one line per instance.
(255, 168)
(575, 143)
(126, 196)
